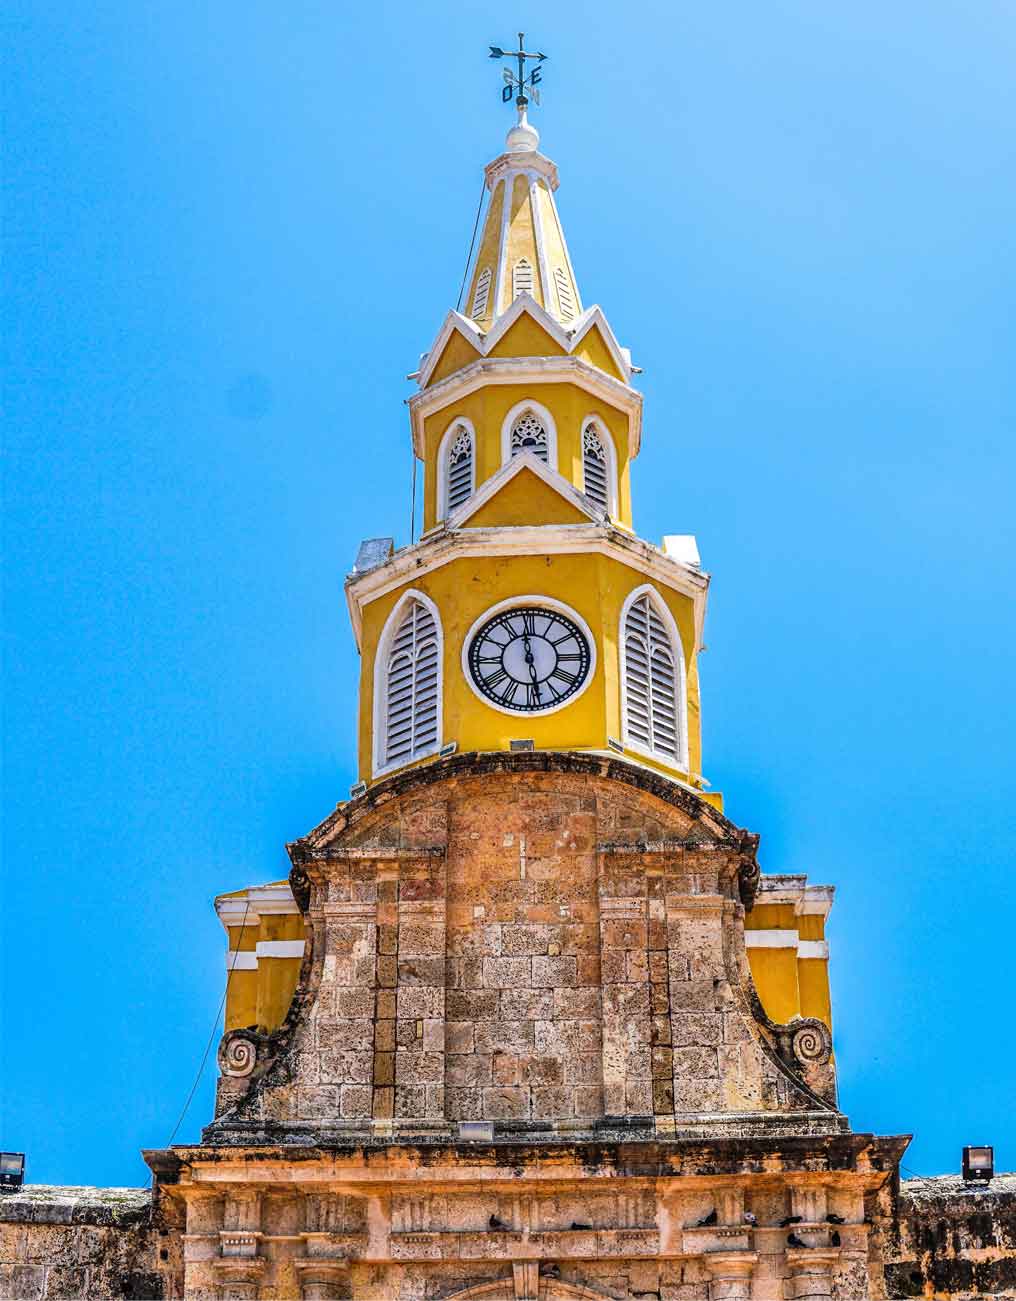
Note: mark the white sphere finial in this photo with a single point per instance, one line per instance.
(523, 138)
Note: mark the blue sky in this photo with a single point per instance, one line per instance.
(231, 231)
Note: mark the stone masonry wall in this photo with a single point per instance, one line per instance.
(87, 1242)
(944, 1238)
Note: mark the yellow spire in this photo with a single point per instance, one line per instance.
(522, 248)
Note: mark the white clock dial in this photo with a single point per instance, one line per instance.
(529, 658)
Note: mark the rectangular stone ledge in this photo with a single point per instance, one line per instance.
(578, 1244)
(721, 1237)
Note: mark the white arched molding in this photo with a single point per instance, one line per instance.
(450, 476)
(408, 684)
(654, 699)
(599, 427)
(543, 416)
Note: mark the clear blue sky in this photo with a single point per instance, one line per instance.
(231, 230)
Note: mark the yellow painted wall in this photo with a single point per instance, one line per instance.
(775, 974)
(261, 998)
(487, 409)
(490, 244)
(521, 500)
(594, 586)
(553, 245)
(593, 349)
(520, 242)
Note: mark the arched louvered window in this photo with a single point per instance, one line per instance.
(596, 467)
(565, 297)
(529, 435)
(653, 681)
(409, 691)
(522, 277)
(458, 468)
(481, 294)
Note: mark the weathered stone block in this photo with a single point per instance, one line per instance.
(506, 1103)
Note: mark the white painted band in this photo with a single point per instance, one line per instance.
(243, 960)
(770, 939)
(280, 948)
(813, 949)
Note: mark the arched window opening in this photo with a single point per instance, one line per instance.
(652, 702)
(522, 277)
(595, 468)
(411, 687)
(459, 468)
(529, 435)
(565, 298)
(481, 294)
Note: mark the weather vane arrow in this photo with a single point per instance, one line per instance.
(519, 85)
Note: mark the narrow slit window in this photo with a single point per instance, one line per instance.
(522, 277)
(529, 435)
(411, 687)
(652, 703)
(459, 468)
(565, 297)
(595, 467)
(481, 294)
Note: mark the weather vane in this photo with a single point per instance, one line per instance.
(518, 84)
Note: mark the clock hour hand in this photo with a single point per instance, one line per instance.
(531, 661)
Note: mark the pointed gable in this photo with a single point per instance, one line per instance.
(526, 337)
(525, 499)
(457, 352)
(592, 347)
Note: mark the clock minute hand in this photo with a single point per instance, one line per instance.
(531, 661)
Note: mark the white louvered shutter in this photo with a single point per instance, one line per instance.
(482, 294)
(565, 298)
(652, 707)
(460, 468)
(529, 435)
(595, 467)
(411, 689)
(522, 277)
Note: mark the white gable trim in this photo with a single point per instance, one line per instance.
(507, 472)
(567, 339)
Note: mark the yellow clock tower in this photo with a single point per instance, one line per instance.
(528, 615)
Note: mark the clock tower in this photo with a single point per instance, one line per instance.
(526, 1022)
(528, 614)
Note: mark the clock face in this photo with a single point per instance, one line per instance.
(529, 659)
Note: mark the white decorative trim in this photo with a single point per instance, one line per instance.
(567, 337)
(813, 949)
(379, 715)
(524, 461)
(280, 948)
(546, 419)
(793, 888)
(241, 960)
(448, 544)
(770, 939)
(248, 907)
(488, 372)
(541, 255)
(567, 257)
(607, 439)
(442, 463)
(681, 685)
(550, 604)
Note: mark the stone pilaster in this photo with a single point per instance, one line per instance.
(323, 1280)
(730, 1274)
(811, 1273)
(624, 967)
(421, 911)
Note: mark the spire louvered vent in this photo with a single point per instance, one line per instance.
(565, 298)
(481, 295)
(529, 435)
(595, 467)
(522, 278)
(411, 701)
(460, 468)
(652, 707)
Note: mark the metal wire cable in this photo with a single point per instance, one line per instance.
(472, 243)
(215, 1026)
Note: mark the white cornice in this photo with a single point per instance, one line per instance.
(445, 545)
(529, 161)
(528, 370)
(793, 889)
(567, 339)
(525, 461)
(246, 907)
